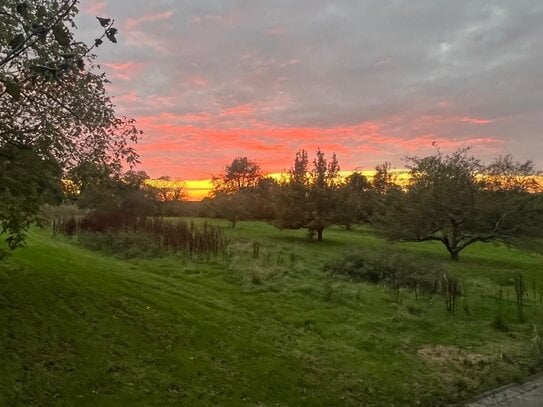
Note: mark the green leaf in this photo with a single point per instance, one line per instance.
(61, 35)
(80, 64)
(12, 88)
(17, 42)
(22, 9)
(46, 71)
(104, 22)
(110, 34)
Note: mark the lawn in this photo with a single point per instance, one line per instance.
(265, 326)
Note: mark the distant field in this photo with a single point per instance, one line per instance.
(80, 328)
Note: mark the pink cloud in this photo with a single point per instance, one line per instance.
(136, 34)
(210, 146)
(132, 23)
(95, 8)
(196, 81)
(240, 110)
(130, 98)
(432, 120)
(226, 20)
(474, 120)
(125, 71)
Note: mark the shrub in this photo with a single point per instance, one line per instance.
(398, 269)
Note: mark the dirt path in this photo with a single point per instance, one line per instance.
(527, 394)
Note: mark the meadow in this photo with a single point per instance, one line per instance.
(264, 326)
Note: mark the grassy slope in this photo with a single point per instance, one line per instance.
(80, 328)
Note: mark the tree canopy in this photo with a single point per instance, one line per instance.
(456, 200)
(309, 199)
(53, 105)
(241, 173)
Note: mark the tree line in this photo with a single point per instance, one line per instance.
(453, 199)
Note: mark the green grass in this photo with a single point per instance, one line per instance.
(80, 328)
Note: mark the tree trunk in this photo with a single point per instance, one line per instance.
(319, 235)
(454, 256)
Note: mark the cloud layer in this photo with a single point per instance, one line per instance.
(373, 80)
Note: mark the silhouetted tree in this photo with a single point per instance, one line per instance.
(383, 179)
(240, 174)
(168, 190)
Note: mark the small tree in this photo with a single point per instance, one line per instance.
(308, 200)
(241, 173)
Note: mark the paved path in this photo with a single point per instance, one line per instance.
(527, 394)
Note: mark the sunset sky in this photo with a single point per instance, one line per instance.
(373, 81)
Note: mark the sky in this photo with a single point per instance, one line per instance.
(371, 80)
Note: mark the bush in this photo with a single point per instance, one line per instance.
(398, 269)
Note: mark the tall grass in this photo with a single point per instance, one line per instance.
(172, 236)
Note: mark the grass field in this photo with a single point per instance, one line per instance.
(80, 328)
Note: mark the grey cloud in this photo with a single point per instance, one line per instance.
(333, 63)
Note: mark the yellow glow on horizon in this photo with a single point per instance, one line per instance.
(196, 190)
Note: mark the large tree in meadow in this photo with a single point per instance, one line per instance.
(456, 200)
(54, 110)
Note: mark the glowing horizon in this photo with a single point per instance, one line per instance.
(197, 190)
